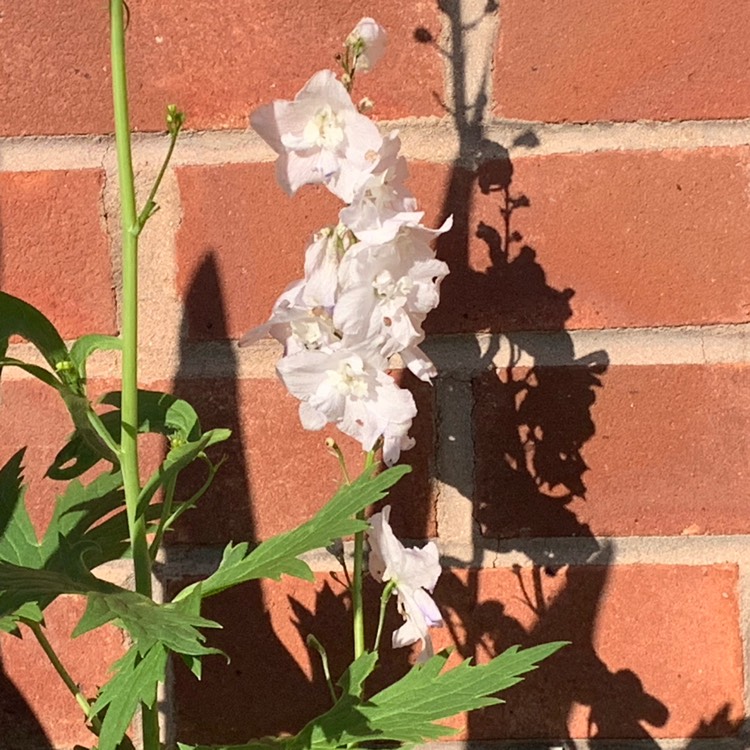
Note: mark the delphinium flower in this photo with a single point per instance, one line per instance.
(414, 572)
(369, 280)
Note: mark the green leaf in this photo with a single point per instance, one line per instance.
(278, 556)
(18, 542)
(407, 710)
(38, 372)
(85, 346)
(180, 456)
(135, 682)
(20, 318)
(162, 413)
(28, 611)
(147, 622)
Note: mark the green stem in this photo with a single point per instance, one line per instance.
(313, 642)
(150, 208)
(384, 597)
(129, 435)
(166, 511)
(70, 683)
(358, 615)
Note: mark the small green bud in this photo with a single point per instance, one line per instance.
(176, 441)
(65, 366)
(175, 119)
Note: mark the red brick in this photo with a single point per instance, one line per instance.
(277, 474)
(654, 649)
(663, 451)
(241, 243)
(607, 240)
(654, 644)
(581, 60)
(55, 252)
(34, 416)
(36, 708)
(217, 60)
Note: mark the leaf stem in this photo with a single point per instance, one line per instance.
(314, 643)
(384, 597)
(129, 407)
(358, 618)
(175, 121)
(70, 683)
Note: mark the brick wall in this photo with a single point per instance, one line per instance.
(582, 458)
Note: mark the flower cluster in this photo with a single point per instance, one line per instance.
(370, 279)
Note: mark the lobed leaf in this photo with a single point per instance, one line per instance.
(279, 555)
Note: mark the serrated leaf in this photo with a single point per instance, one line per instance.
(278, 556)
(407, 710)
(28, 611)
(147, 622)
(134, 683)
(18, 542)
(264, 743)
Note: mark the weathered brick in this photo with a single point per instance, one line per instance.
(36, 709)
(654, 650)
(650, 450)
(596, 240)
(581, 60)
(217, 60)
(277, 474)
(55, 252)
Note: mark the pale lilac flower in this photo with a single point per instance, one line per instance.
(415, 573)
(368, 40)
(320, 137)
(347, 386)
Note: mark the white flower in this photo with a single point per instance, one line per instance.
(322, 259)
(383, 204)
(320, 137)
(295, 324)
(348, 387)
(386, 293)
(415, 573)
(368, 40)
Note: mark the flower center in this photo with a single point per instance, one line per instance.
(325, 129)
(387, 288)
(350, 378)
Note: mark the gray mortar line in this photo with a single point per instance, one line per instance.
(430, 139)
(720, 743)
(457, 356)
(693, 551)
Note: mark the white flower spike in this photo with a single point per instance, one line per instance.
(415, 573)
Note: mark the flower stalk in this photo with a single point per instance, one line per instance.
(129, 331)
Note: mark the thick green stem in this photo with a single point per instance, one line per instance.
(129, 435)
(358, 615)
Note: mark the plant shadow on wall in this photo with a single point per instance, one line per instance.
(19, 727)
(234, 695)
(533, 403)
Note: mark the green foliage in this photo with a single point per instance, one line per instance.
(135, 681)
(407, 710)
(87, 345)
(278, 556)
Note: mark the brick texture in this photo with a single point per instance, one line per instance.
(277, 474)
(655, 649)
(216, 60)
(632, 451)
(241, 243)
(53, 248)
(596, 240)
(36, 709)
(582, 60)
